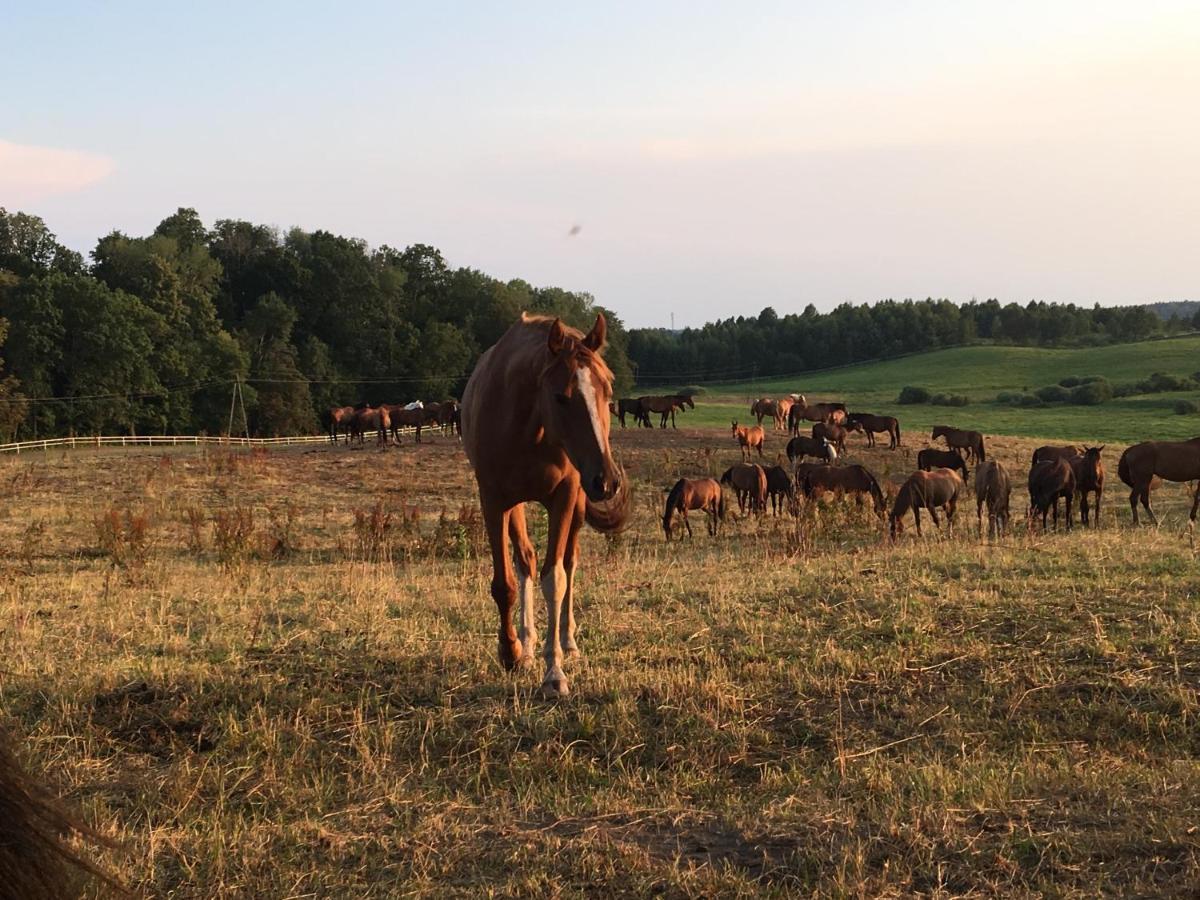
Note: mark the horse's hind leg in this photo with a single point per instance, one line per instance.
(504, 585)
(1146, 504)
(526, 560)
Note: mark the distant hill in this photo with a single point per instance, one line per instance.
(1184, 309)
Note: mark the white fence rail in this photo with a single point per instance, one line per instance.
(173, 440)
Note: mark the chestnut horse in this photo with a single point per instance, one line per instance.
(1170, 460)
(367, 418)
(835, 434)
(749, 483)
(534, 431)
(842, 480)
(704, 494)
(926, 490)
(834, 413)
(993, 487)
(873, 425)
(339, 417)
(764, 408)
(1050, 479)
(749, 437)
(958, 439)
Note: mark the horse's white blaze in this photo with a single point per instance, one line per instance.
(583, 377)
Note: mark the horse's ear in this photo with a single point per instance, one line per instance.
(558, 337)
(595, 338)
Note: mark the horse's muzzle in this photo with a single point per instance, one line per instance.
(602, 487)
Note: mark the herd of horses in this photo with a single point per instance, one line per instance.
(640, 408)
(355, 422)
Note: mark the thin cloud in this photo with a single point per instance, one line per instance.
(29, 173)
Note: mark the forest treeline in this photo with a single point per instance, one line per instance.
(149, 333)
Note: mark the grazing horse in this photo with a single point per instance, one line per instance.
(842, 480)
(367, 418)
(631, 406)
(749, 483)
(1051, 451)
(402, 416)
(781, 491)
(932, 458)
(704, 494)
(749, 437)
(926, 490)
(1049, 480)
(873, 425)
(765, 407)
(958, 439)
(993, 487)
(339, 417)
(1089, 478)
(665, 406)
(819, 448)
(833, 413)
(534, 431)
(835, 434)
(1170, 460)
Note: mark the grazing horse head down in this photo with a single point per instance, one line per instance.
(535, 428)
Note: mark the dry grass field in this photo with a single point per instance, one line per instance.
(274, 675)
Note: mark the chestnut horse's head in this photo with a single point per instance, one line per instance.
(576, 386)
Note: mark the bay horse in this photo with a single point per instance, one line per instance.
(818, 448)
(764, 408)
(749, 483)
(1170, 460)
(367, 418)
(402, 417)
(932, 458)
(1049, 480)
(749, 437)
(704, 494)
(926, 490)
(834, 413)
(842, 480)
(631, 406)
(835, 434)
(1051, 451)
(339, 417)
(993, 487)
(781, 491)
(873, 425)
(959, 439)
(533, 431)
(1089, 478)
(665, 406)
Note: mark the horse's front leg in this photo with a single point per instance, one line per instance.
(526, 560)
(564, 509)
(571, 561)
(504, 585)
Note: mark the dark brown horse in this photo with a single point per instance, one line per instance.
(631, 406)
(842, 480)
(781, 491)
(835, 434)
(406, 418)
(448, 417)
(665, 406)
(931, 458)
(1049, 480)
(702, 493)
(339, 418)
(873, 425)
(749, 437)
(534, 430)
(749, 483)
(993, 487)
(800, 447)
(926, 490)
(1089, 479)
(1170, 460)
(368, 418)
(958, 439)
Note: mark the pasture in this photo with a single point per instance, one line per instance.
(274, 674)
(980, 373)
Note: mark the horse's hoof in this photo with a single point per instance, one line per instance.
(512, 657)
(554, 685)
(570, 651)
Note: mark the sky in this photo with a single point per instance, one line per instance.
(686, 159)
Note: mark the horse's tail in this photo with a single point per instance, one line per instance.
(875, 490)
(982, 452)
(721, 507)
(672, 502)
(613, 515)
(897, 432)
(1123, 468)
